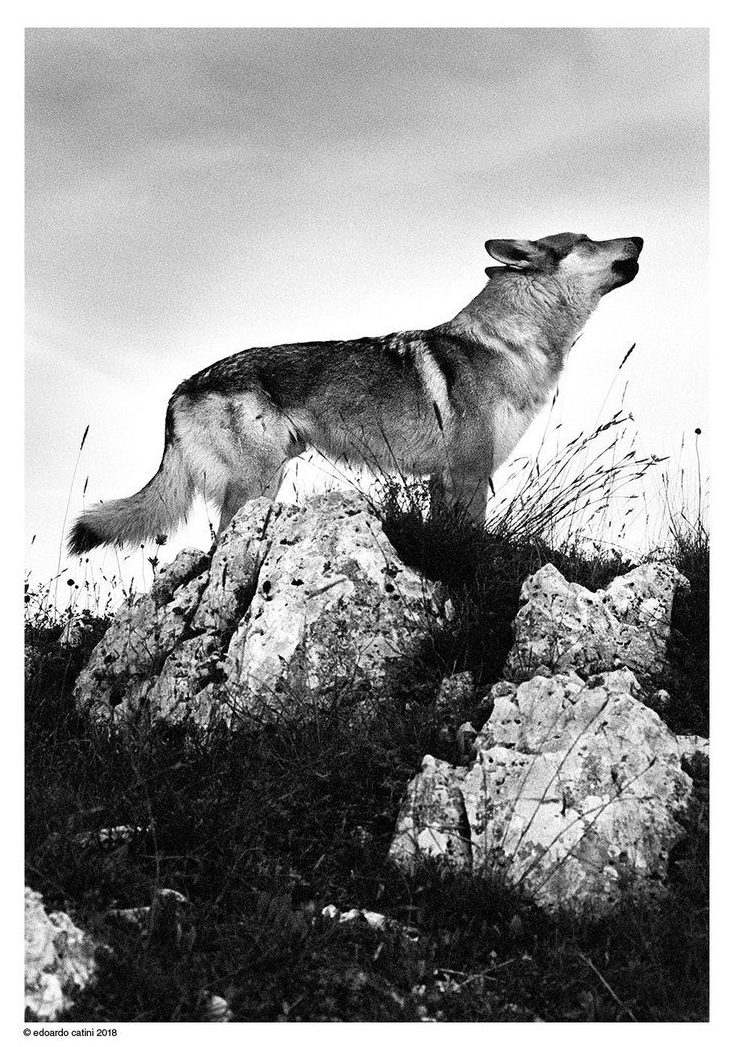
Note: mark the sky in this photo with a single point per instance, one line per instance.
(193, 192)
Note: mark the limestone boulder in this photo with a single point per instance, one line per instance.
(296, 608)
(563, 626)
(433, 820)
(575, 794)
(335, 609)
(235, 565)
(59, 961)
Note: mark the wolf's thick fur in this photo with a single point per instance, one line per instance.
(450, 402)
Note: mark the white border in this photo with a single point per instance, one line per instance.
(388, 14)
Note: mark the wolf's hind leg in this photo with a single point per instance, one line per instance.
(238, 493)
(235, 497)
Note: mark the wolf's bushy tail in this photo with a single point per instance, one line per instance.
(156, 509)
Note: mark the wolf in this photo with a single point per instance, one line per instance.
(450, 402)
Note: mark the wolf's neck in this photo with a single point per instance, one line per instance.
(524, 313)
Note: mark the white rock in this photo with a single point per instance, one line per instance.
(562, 625)
(297, 605)
(216, 1009)
(59, 960)
(334, 608)
(574, 794)
(109, 838)
(376, 920)
(137, 917)
(236, 563)
(433, 820)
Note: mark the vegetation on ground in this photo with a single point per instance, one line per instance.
(261, 830)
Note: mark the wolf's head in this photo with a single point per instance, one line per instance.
(592, 267)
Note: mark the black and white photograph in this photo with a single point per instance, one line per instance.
(367, 525)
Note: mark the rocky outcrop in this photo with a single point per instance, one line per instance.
(562, 626)
(572, 790)
(576, 790)
(59, 961)
(295, 607)
(574, 794)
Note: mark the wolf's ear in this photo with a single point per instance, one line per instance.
(518, 254)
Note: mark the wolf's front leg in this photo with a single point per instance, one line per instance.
(465, 494)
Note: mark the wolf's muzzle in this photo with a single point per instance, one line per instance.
(626, 267)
